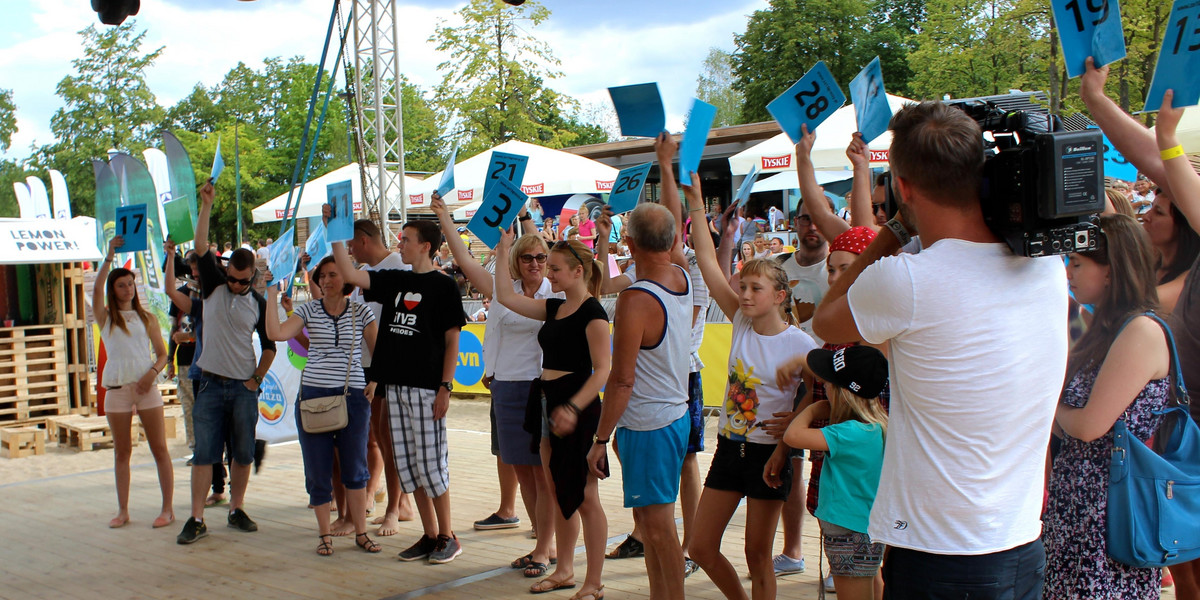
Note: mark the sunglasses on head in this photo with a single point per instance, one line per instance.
(529, 258)
(232, 279)
(567, 245)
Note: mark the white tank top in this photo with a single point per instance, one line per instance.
(660, 394)
(128, 354)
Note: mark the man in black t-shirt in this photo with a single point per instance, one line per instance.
(414, 358)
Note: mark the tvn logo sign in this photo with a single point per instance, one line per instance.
(777, 162)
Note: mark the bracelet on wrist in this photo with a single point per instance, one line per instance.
(1173, 152)
(900, 231)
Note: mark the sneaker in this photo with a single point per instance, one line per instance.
(497, 522)
(786, 565)
(192, 531)
(419, 550)
(239, 520)
(829, 587)
(447, 549)
(689, 567)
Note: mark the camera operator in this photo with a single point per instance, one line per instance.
(978, 353)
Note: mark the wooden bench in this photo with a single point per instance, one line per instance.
(52, 424)
(23, 441)
(85, 433)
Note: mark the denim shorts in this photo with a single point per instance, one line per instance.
(350, 443)
(224, 409)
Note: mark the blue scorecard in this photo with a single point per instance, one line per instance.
(1179, 58)
(808, 102)
(281, 257)
(1116, 165)
(131, 225)
(218, 164)
(446, 185)
(317, 246)
(871, 108)
(743, 193)
(504, 167)
(341, 217)
(627, 188)
(695, 137)
(498, 210)
(639, 109)
(1089, 28)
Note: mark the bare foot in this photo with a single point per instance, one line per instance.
(406, 509)
(120, 520)
(341, 527)
(389, 524)
(215, 500)
(166, 518)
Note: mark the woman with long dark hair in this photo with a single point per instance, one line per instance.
(1117, 370)
(130, 376)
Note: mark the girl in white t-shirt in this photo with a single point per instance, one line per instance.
(130, 379)
(749, 461)
(853, 446)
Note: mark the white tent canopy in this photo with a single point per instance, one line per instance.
(790, 181)
(1188, 130)
(314, 195)
(466, 211)
(548, 173)
(778, 154)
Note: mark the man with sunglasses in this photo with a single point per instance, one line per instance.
(227, 394)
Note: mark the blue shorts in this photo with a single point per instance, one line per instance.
(350, 443)
(655, 457)
(225, 410)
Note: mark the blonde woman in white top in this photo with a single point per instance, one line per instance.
(130, 373)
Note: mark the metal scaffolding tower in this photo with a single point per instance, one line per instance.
(377, 102)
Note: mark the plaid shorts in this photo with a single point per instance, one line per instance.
(418, 441)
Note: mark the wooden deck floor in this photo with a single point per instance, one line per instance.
(56, 543)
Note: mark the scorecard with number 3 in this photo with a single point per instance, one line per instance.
(497, 211)
(808, 102)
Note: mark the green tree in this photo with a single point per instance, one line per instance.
(107, 104)
(786, 39)
(10, 172)
(494, 81)
(8, 119)
(715, 85)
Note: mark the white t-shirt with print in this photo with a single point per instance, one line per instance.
(978, 344)
(752, 396)
(809, 285)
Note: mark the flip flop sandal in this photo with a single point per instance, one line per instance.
(527, 560)
(536, 569)
(366, 543)
(630, 548)
(325, 548)
(597, 594)
(540, 587)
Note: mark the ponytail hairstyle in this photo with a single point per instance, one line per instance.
(577, 254)
(114, 314)
(845, 405)
(772, 271)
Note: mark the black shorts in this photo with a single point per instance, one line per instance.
(738, 467)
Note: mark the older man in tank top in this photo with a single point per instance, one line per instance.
(645, 406)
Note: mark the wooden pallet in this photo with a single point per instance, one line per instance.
(85, 433)
(75, 323)
(33, 373)
(171, 417)
(51, 424)
(170, 393)
(20, 442)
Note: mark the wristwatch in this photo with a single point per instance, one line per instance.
(448, 385)
(258, 379)
(597, 441)
(525, 218)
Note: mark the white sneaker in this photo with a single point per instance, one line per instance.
(786, 565)
(829, 585)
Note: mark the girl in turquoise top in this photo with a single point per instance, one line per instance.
(853, 445)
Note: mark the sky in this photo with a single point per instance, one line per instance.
(601, 43)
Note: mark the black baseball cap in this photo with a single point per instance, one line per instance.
(861, 369)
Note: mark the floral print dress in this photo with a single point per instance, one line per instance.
(1077, 564)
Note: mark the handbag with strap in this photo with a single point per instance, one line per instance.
(1154, 486)
(329, 413)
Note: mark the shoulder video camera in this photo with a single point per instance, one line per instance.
(1042, 186)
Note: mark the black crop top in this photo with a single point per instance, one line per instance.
(564, 341)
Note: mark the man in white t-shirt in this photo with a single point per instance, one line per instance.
(805, 269)
(978, 347)
(372, 254)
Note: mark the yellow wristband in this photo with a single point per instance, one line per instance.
(1173, 152)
